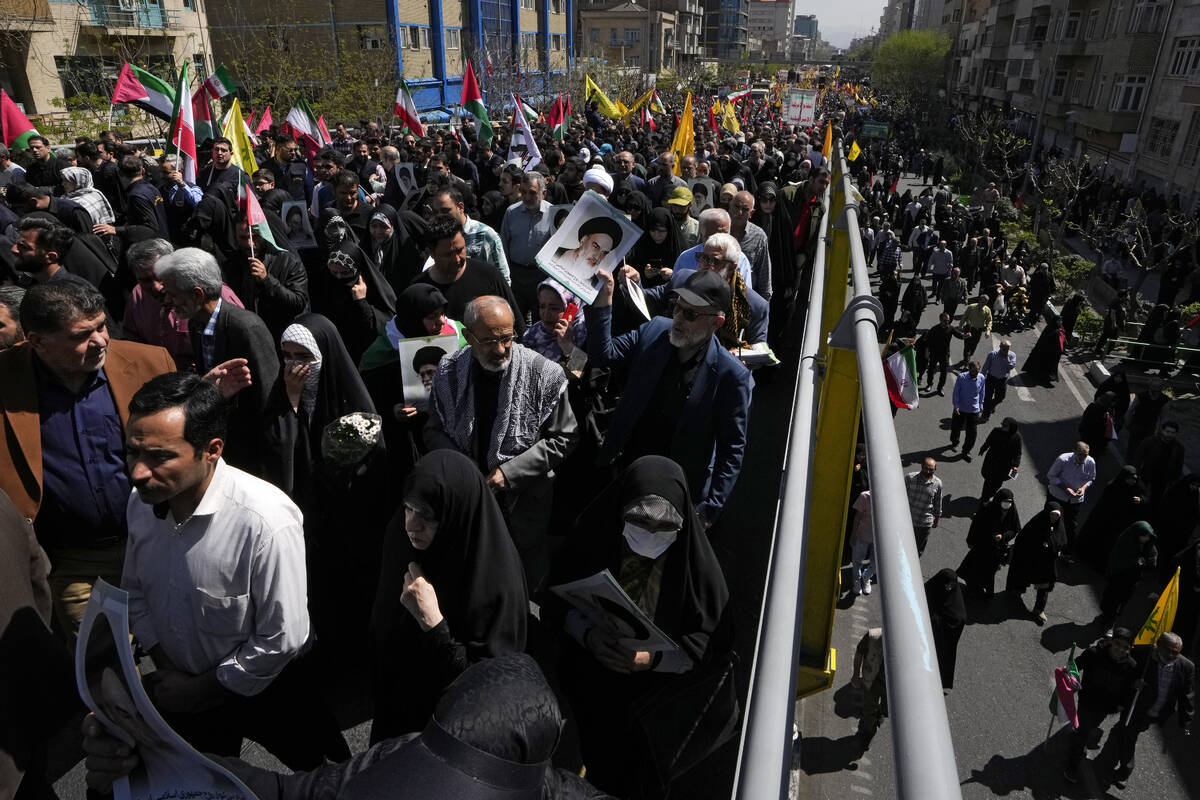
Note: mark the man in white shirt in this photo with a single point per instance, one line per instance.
(215, 571)
(1067, 481)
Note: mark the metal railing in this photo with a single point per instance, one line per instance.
(924, 756)
(132, 15)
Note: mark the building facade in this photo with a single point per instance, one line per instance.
(54, 50)
(771, 22)
(727, 29)
(432, 39)
(630, 35)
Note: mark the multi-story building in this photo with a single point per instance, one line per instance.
(806, 25)
(52, 50)
(432, 39)
(727, 29)
(771, 22)
(630, 35)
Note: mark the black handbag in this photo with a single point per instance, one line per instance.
(687, 718)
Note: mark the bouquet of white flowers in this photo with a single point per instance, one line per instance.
(348, 440)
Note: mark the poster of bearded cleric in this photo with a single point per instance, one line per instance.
(594, 236)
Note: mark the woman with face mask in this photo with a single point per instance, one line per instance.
(995, 525)
(1001, 453)
(1035, 557)
(643, 529)
(451, 591)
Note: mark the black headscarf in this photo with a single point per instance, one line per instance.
(647, 252)
(778, 227)
(473, 566)
(943, 594)
(495, 217)
(402, 256)
(991, 519)
(693, 593)
(413, 305)
(379, 291)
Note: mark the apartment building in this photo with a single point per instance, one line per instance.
(630, 35)
(683, 44)
(771, 22)
(432, 39)
(727, 29)
(56, 49)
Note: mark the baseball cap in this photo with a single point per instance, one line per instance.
(679, 196)
(705, 288)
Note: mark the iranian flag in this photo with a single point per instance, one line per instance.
(219, 84)
(472, 103)
(406, 110)
(182, 139)
(255, 217)
(144, 90)
(1062, 700)
(17, 127)
(202, 116)
(556, 118)
(301, 124)
(264, 124)
(900, 370)
(733, 97)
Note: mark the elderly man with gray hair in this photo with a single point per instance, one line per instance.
(713, 220)
(221, 332)
(147, 317)
(506, 407)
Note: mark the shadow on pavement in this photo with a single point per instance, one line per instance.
(1059, 638)
(820, 754)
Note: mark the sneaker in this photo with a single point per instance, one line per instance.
(866, 589)
(857, 588)
(966, 456)
(1040, 618)
(1121, 774)
(941, 393)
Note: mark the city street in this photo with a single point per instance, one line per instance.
(998, 709)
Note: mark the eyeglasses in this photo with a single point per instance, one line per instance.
(705, 258)
(503, 341)
(692, 316)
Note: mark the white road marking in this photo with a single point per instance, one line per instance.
(860, 789)
(1023, 393)
(864, 776)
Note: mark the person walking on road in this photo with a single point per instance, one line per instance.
(924, 501)
(947, 616)
(1133, 553)
(996, 368)
(1001, 452)
(1167, 684)
(968, 403)
(1042, 363)
(1067, 481)
(1035, 558)
(862, 544)
(976, 324)
(953, 292)
(1107, 674)
(936, 342)
(995, 525)
(869, 678)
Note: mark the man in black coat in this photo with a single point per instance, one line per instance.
(144, 205)
(25, 198)
(1107, 675)
(889, 298)
(936, 342)
(271, 283)
(192, 284)
(1167, 684)
(46, 167)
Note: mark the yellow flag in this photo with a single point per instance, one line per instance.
(684, 143)
(234, 130)
(837, 71)
(621, 109)
(592, 92)
(855, 152)
(827, 148)
(1162, 616)
(729, 120)
(641, 101)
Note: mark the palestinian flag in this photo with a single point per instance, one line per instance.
(1062, 700)
(900, 371)
(202, 117)
(255, 218)
(219, 84)
(656, 104)
(17, 127)
(527, 110)
(144, 90)
(556, 118)
(472, 103)
(182, 139)
(406, 110)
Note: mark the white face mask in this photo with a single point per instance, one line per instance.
(1006, 505)
(650, 544)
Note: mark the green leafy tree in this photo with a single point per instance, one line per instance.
(910, 64)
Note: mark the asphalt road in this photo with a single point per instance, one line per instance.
(998, 709)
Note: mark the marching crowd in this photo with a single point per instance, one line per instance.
(212, 413)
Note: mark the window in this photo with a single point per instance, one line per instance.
(593, 34)
(1160, 139)
(633, 61)
(1099, 86)
(1021, 31)
(556, 41)
(1185, 57)
(1014, 67)
(1077, 87)
(199, 66)
(189, 5)
(1147, 16)
(527, 4)
(1059, 86)
(424, 38)
(414, 37)
(1093, 22)
(633, 35)
(1128, 92)
(403, 37)
(452, 38)
(557, 6)
(528, 42)
(1115, 11)
(1073, 19)
(1191, 145)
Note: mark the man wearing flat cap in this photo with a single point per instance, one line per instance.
(687, 397)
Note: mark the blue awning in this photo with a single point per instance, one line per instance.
(436, 115)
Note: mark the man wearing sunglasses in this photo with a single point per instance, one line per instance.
(687, 397)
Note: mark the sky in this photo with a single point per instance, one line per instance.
(841, 21)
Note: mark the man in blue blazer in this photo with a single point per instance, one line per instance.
(687, 397)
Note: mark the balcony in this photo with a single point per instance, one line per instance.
(130, 16)
(625, 42)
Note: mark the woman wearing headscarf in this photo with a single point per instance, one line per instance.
(643, 529)
(655, 253)
(1133, 553)
(1042, 362)
(451, 591)
(337, 486)
(77, 183)
(558, 339)
(1097, 423)
(1123, 502)
(993, 528)
(357, 298)
(211, 225)
(947, 616)
(1035, 556)
(491, 209)
(771, 214)
(1001, 453)
(396, 245)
